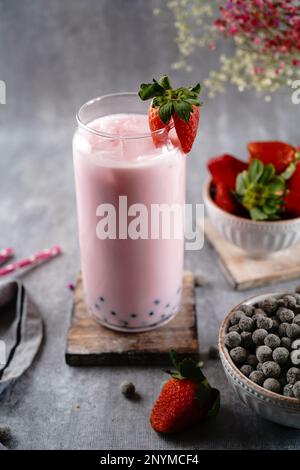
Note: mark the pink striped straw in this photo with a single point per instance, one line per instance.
(5, 255)
(33, 260)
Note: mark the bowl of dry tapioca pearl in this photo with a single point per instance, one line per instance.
(259, 346)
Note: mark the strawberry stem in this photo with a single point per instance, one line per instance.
(261, 191)
(170, 100)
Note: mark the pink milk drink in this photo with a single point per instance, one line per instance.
(132, 272)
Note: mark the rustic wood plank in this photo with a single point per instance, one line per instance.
(89, 343)
(244, 272)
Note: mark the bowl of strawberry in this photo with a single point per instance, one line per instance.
(255, 204)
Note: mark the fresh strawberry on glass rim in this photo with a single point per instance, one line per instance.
(172, 107)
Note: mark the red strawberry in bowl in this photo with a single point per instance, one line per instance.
(225, 168)
(178, 107)
(279, 154)
(292, 199)
(225, 199)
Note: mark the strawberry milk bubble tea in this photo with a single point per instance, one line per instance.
(132, 279)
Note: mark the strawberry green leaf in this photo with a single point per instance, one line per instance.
(156, 102)
(189, 370)
(242, 182)
(256, 169)
(214, 409)
(268, 173)
(183, 109)
(150, 90)
(196, 89)
(165, 112)
(173, 357)
(164, 81)
(289, 171)
(203, 393)
(269, 209)
(257, 214)
(277, 185)
(193, 101)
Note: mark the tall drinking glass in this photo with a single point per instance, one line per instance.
(123, 175)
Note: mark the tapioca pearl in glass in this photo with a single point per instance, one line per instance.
(101, 299)
(156, 301)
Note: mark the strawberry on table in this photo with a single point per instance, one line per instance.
(179, 106)
(225, 168)
(186, 399)
(279, 154)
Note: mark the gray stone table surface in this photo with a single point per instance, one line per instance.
(53, 57)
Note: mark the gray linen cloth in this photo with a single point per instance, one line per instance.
(21, 332)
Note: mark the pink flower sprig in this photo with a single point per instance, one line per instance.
(269, 27)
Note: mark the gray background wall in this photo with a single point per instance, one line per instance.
(53, 57)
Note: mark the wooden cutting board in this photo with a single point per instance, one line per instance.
(91, 344)
(244, 272)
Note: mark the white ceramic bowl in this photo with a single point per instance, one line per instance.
(272, 406)
(258, 239)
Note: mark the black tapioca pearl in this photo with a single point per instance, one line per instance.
(151, 313)
(97, 306)
(133, 315)
(113, 313)
(101, 299)
(167, 306)
(162, 315)
(125, 323)
(156, 301)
